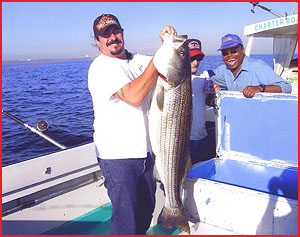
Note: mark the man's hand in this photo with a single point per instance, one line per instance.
(250, 91)
(215, 88)
(168, 29)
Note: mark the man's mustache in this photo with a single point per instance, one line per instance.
(117, 41)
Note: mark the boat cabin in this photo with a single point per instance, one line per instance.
(284, 31)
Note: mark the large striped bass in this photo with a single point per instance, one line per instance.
(169, 125)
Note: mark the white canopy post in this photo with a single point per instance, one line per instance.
(249, 45)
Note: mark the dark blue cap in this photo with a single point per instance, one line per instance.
(230, 41)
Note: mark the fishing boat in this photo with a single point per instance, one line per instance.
(251, 187)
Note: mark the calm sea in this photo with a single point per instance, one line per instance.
(58, 93)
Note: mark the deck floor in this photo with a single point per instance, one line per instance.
(84, 211)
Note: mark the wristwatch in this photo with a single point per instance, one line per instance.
(263, 87)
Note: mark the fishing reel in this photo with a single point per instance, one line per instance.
(42, 125)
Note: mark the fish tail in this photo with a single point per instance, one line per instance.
(175, 217)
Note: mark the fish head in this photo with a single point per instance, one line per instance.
(172, 60)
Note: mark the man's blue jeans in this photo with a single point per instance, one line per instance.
(131, 189)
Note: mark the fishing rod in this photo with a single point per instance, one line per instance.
(254, 4)
(42, 126)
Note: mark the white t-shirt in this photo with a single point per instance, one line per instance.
(198, 130)
(120, 129)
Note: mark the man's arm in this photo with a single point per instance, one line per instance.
(273, 82)
(135, 92)
(250, 91)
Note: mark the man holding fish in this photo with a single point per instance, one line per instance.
(119, 83)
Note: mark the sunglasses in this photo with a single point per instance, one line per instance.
(114, 31)
(197, 57)
(232, 51)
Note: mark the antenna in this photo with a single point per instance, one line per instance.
(293, 8)
(256, 4)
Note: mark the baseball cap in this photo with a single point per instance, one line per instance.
(195, 47)
(103, 22)
(230, 41)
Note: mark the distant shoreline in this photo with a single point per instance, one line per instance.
(41, 61)
(38, 61)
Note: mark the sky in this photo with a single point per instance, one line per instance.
(57, 30)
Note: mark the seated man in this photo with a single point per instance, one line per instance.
(244, 74)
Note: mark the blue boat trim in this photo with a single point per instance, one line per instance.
(271, 180)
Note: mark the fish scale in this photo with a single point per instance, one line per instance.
(175, 147)
(175, 143)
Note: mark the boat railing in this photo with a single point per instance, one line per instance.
(26, 182)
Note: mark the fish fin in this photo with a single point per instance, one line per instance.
(160, 98)
(175, 217)
(188, 166)
(188, 162)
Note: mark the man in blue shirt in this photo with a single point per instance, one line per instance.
(244, 74)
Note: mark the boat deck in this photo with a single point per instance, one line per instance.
(84, 211)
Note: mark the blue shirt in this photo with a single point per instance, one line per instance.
(253, 73)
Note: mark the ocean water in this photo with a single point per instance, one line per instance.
(58, 93)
